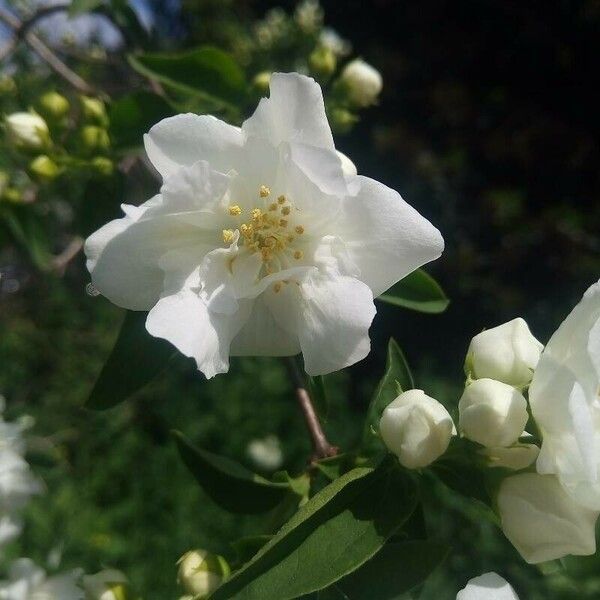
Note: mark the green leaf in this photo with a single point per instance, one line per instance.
(333, 466)
(394, 570)
(26, 227)
(246, 547)
(229, 484)
(135, 360)
(418, 291)
(331, 535)
(397, 378)
(206, 72)
(131, 116)
(79, 7)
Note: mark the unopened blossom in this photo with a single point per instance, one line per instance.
(542, 521)
(27, 131)
(489, 586)
(362, 83)
(565, 403)
(416, 428)
(492, 413)
(261, 240)
(266, 453)
(508, 353)
(108, 584)
(27, 581)
(201, 573)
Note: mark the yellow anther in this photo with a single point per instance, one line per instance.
(281, 199)
(277, 287)
(264, 191)
(299, 229)
(256, 214)
(285, 210)
(228, 236)
(246, 229)
(298, 254)
(235, 210)
(273, 206)
(283, 222)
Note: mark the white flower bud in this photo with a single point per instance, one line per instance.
(201, 573)
(27, 131)
(516, 457)
(542, 521)
(109, 584)
(416, 428)
(508, 353)
(362, 82)
(492, 413)
(489, 586)
(266, 453)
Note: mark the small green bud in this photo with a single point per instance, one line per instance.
(103, 166)
(322, 61)
(201, 573)
(94, 139)
(53, 106)
(342, 120)
(261, 82)
(7, 86)
(11, 194)
(43, 168)
(94, 111)
(27, 131)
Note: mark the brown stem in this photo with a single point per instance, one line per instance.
(321, 446)
(43, 51)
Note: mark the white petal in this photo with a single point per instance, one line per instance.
(489, 586)
(386, 238)
(294, 112)
(188, 138)
(348, 167)
(184, 320)
(334, 319)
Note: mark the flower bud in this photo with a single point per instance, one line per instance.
(266, 453)
(492, 413)
(489, 586)
(43, 168)
(517, 457)
(94, 111)
(542, 521)
(508, 353)
(322, 61)
(416, 428)
(201, 573)
(53, 105)
(11, 194)
(261, 82)
(27, 131)
(109, 584)
(94, 139)
(103, 166)
(362, 83)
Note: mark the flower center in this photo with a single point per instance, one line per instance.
(268, 231)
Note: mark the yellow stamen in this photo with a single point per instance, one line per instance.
(299, 229)
(285, 210)
(283, 222)
(264, 191)
(228, 236)
(256, 214)
(281, 199)
(235, 210)
(298, 254)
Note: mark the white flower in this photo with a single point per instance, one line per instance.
(508, 353)
(266, 453)
(27, 131)
(489, 586)
(492, 413)
(517, 457)
(362, 82)
(565, 404)
(259, 243)
(542, 521)
(416, 428)
(200, 573)
(109, 584)
(26, 581)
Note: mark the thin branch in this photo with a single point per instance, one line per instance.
(61, 261)
(321, 446)
(43, 51)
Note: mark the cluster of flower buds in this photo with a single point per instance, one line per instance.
(55, 137)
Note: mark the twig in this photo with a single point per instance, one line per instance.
(42, 50)
(321, 446)
(61, 261)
